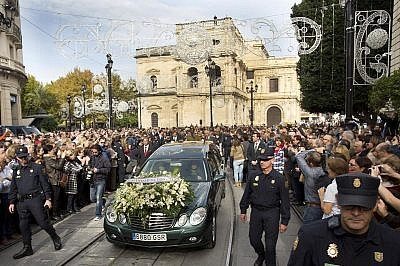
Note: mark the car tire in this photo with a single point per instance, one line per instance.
(213, 232)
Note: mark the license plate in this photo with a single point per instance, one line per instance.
(149, 237)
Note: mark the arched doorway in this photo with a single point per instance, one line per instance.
(274, 116)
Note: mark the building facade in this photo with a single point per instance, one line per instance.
(12, 70)
(173, 93)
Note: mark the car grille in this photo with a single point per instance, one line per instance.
(156, 221)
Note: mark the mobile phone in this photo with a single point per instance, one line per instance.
(369, 170)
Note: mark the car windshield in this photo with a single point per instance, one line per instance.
(188, 169)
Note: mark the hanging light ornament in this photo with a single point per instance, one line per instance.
(377, 38)
(194, 44)
(372, 35)
(309, 35)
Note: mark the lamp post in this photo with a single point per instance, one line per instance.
(83, 90)
(69, 98)
(251, 90)
(210, 71)
(349, 59)
(110, 109)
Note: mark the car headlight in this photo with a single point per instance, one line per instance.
(182, 220)
(122, 218)
(111, 214)
(198, 216)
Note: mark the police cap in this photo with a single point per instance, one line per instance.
(22, 152)
(266, 154)
(357, 189)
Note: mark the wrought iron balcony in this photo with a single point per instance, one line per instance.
(15, 33)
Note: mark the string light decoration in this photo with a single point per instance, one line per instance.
(193, 44)
(371, 49)
(308, 32)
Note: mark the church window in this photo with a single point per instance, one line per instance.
(273, 85)
(154, 120)
(153, 80)
(193, 77)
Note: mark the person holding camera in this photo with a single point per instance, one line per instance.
(310, 164)
(29, 189)
(100, 166)
(53, 167)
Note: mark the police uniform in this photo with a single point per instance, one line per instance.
(269, 201)
(29, 189)
(326, 242)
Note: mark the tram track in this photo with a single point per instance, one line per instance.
(80, 251)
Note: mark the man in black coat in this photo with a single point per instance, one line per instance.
(117, 147)
(31, 191)
(353, 237)
(253, 151)
(145, 150)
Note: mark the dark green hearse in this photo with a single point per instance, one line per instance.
(200, 165)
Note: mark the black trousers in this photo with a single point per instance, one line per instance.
(35, 207)
(121, 173)
(56, 200)
(266, 221)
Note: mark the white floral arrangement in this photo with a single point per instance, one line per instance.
(167, 195)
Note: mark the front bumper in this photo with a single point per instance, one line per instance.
(187, 236)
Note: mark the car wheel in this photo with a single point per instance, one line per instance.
(213, 232)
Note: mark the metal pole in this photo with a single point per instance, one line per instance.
(251, 106)
(140, 110)
(84, 106)
(110, 109)
(349, 60)
(211, 111)
(69, 112)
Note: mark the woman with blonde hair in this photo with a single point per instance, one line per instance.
(237, 153)
(335, 166)
(72, 168)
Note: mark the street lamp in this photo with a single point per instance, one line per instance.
(69, 98)
(210, 72)
(83, 90)
(251, 90)
(349, 42)
(110, 109)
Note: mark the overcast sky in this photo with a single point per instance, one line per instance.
(52, 46)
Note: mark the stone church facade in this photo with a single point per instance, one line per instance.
(173, 93)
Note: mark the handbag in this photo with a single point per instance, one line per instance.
(63, 180)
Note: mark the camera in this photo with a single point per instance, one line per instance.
(89, 175)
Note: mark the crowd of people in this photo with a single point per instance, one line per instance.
(82, 165)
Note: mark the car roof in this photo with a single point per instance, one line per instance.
(187, 149)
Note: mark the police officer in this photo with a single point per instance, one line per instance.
(353, 237)
(29, 189)
(269, 199)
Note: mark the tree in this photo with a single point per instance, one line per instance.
(386, 91)
(52, 96)
(70, 84)
(35, 97)
(322, 73)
